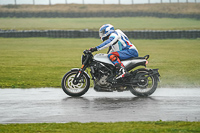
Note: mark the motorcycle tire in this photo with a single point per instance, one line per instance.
(75, 90)
(145, 87)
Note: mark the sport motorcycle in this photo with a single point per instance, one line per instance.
(141, 82)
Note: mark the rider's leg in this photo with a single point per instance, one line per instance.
(118, 65)
(116, 58)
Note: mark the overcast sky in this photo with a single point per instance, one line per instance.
(4, 2)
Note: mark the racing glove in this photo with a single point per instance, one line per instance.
(93, 49)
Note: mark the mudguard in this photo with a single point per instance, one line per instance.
(150, 71)
(155, 72)
(77, 69)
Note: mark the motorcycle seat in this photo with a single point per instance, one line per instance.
(136, 58)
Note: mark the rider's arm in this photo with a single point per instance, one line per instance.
(111, 40)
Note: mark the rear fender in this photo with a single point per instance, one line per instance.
(155, 72)
(151, 72)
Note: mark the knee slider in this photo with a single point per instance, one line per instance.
(112, 58)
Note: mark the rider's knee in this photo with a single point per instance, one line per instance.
(112, 57)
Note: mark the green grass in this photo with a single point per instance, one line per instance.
(42, 62)
(170, 8)
(118, 127)
(126, 23)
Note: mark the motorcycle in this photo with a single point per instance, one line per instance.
(141, 82)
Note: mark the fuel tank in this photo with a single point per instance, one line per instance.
(102, 58)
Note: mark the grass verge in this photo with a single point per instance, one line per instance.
(125, 23)
(41, 62)
(172, 8)
(94, 127)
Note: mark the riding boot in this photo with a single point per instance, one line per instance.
(120, 71)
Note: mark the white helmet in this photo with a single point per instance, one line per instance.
(105, 30)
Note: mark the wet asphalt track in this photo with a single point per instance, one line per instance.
(53, 105)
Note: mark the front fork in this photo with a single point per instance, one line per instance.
(79, 74)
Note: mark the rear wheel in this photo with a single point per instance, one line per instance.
(147, 84)
(75, 89)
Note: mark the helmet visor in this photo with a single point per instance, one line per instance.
(101, 33)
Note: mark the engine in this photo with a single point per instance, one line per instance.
(101, 73)
(102, 81)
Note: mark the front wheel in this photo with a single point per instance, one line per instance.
(75, 89)
(147, 84)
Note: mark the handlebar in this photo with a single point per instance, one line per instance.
(87, 51)
(146, 57)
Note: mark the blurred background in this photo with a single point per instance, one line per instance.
(46, 2)
(86, 16)
(40, 40)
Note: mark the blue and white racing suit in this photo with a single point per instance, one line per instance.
(120, 47)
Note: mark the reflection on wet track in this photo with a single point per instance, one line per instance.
(53, 105)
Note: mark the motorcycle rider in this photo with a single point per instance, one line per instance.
(120, 48)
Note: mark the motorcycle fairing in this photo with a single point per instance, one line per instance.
(102, 58)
